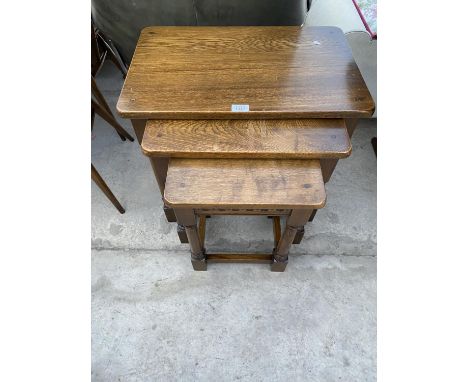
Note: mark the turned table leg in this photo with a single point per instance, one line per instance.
(301, 230)
(296, 220)
(186, 217)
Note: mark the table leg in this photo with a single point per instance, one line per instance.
(301, 230)
(297, 219)
(299, 235)
(181, 232)
(159, 166)
(139, 128)
(186, 217)
(328, 165)
(312, 215)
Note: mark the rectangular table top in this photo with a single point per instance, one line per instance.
(243, 73)
(244, 183)
(260, 138)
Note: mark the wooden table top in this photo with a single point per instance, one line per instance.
(256, 138)
(244, 183)
(279, 72)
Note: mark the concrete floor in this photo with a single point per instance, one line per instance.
(154, 319)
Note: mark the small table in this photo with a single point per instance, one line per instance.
(200, 90)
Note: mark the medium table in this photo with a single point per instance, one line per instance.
(243, 92)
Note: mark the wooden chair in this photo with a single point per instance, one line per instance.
(101, 49)
(94, 173)
(205, 187)
(100, 182)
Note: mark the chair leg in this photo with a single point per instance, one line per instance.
(99, 97)
(111, 121)
(297, 219)
(186, 217)
(93, 113)
(108, 46)
(105, 189)
(105, 109)
(114, 55)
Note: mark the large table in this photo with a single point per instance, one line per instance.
(243, 92)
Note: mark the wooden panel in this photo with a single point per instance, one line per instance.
(258, 258)
(244, 183)
(291, 138)
(280, 72)
(243, 212)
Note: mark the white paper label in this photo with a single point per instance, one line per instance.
(239, 107)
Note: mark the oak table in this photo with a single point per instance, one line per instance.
(243, 93)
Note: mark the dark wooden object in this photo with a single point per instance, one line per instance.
(374, 145)
(101, 107)
(187, 218)
(280, 72)
(295, 221)
(182, 234)
(96, 107)
(101, 49)
(259, 258)
(105, 189)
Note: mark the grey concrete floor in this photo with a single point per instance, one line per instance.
(154, 319)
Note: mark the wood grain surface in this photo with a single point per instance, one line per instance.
(259, 258)
(280, 72)
(244, 183)
(291, 138)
